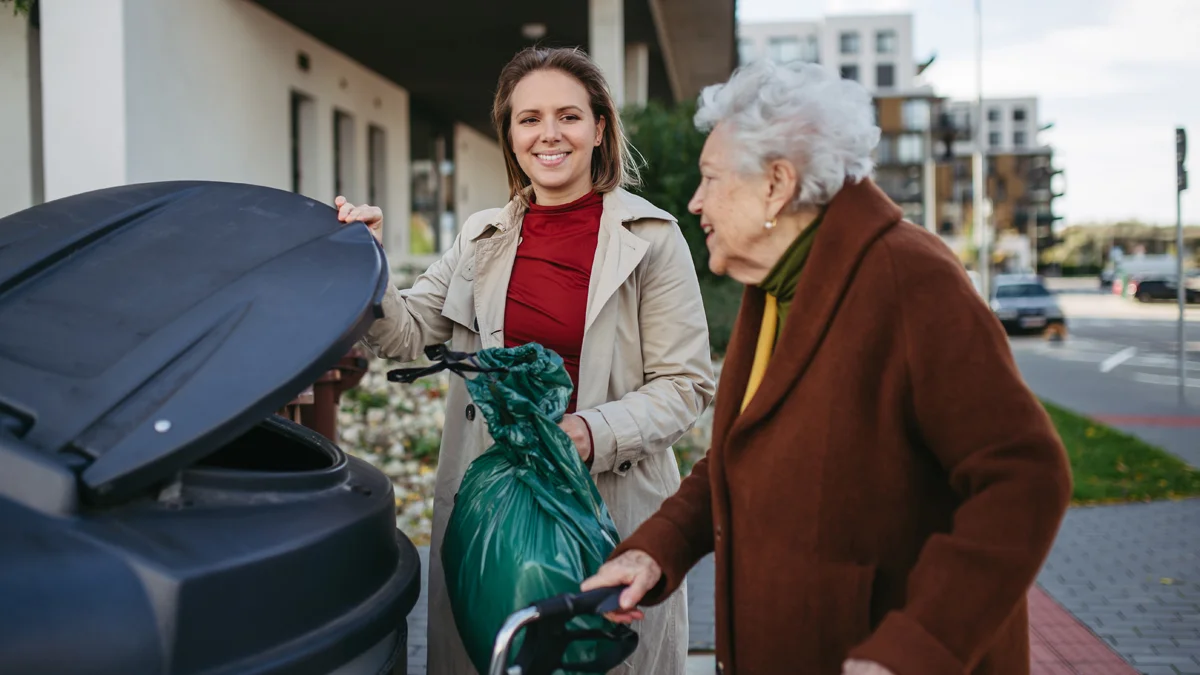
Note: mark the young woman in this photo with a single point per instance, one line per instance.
(579, 265)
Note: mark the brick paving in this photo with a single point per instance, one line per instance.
(1131, 573)
(1120, 580)
(1060, 645)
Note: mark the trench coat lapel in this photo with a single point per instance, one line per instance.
(618, 252)
(858, 215)
(491, 269)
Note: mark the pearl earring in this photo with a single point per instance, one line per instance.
(770, 224)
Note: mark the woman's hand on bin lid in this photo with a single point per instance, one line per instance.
(853, 667)
(635, 569)
(580, 433)
(371, 216)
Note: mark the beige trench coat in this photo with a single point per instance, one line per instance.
(645, 377)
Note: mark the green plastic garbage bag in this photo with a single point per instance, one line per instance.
(528, 522)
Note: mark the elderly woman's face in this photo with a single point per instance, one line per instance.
(733, 212)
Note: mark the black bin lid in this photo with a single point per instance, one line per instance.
(144, 326)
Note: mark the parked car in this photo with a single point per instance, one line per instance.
(1159, 287)
(1023, 304)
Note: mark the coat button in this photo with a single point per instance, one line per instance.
(470, 412)
(718, 532)
(625, 466)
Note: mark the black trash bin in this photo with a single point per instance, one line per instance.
(155, 516)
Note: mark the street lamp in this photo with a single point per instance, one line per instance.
(980, 166)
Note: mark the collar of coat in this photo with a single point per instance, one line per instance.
(495, 235)
(856, 218)
(619, 204)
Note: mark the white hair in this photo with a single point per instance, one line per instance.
(800, 112)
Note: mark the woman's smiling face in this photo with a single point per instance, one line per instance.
(554, 135)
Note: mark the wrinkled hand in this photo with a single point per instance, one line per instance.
(853, 667)
(577, 429)
(371, 216)
(635, 569)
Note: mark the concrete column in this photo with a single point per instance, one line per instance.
(16, 189)
(606, 42)
(83, 95)
(637, 74)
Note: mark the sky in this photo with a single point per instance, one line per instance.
(1114, 76)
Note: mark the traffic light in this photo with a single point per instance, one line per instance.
(1180, 157)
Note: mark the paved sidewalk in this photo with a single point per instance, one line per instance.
(1121, 580)
(1131, 573)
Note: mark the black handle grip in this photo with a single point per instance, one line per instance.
(597, 601)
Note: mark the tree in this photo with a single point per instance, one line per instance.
(670, 145)
(20, 6)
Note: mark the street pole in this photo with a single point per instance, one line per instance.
(980, 166)
(1180, 280)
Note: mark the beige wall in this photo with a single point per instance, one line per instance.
(480, 180)
(16, 189)
(204, 93)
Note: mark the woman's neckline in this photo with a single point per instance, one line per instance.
(590, 199)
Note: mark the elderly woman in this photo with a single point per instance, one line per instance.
(882, 487)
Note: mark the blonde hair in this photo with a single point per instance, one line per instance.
(613, 165)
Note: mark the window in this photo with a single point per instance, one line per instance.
(915, 114)
(432, 221)
(343, 155)
(1019, 139)
(1018, 114)
(376, 167)
(784, 49)
(809, 50)
(849, 43)
(911, 149)
(993, 114)
(746, 51)
(885, 75)
(885, 42)
(994, 139)
(303, 139)
(850, 72)
(885, 152)
(1022, 290)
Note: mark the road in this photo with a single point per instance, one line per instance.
(1119, 365)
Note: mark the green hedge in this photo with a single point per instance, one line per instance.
(19, 7)
(671, 145)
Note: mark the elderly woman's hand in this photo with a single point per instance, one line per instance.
(635, 569)
(853, 667)
(371, 216)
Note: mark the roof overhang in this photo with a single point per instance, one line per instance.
(448, 55)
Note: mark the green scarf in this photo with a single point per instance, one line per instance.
(782, 279)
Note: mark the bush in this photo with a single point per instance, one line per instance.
(671, 145)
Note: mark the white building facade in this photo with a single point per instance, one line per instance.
(302, 97)
(1010, 124)
(875, 50)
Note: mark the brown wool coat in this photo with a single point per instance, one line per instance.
(893, 488)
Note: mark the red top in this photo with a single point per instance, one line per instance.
(548, 292)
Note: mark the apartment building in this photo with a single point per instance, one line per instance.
(923, 161)
(876, 50)
(1021, 177)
